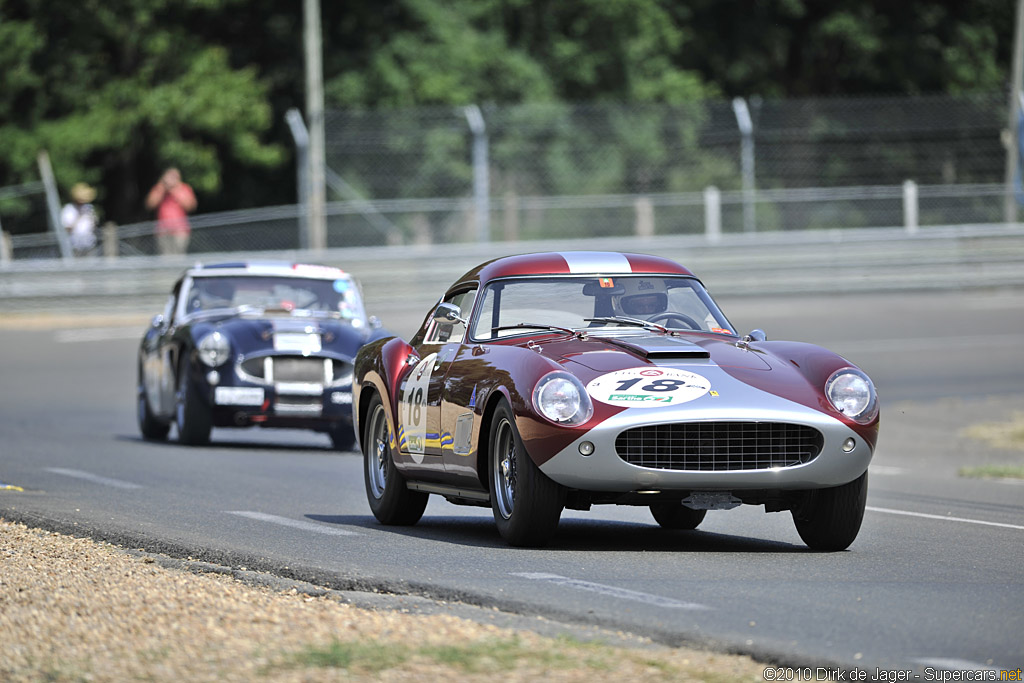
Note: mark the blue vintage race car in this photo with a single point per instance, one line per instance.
(241, 344)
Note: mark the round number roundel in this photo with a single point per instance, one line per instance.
(648, 387)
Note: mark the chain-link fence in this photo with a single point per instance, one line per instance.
(23, 210)
(535, 172)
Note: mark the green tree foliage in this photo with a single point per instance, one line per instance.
(794, 48)
(117, 90)
(508, 51)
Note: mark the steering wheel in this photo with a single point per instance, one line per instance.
(678, 317)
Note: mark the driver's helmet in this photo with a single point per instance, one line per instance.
(643, 296)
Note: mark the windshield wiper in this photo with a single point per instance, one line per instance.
(623, 320)
(532, 326)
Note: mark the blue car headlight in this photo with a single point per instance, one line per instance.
(562, 398)
(214, 349)
(851, 392)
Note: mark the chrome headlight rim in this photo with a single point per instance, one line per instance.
(558, 391)
(214, 349)
(838, 388)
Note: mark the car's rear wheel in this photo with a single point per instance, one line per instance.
(190, 415)
(151, 428)
(677, 516)
(342, 437)
(526, 503)
(830, 518)
(390, 499)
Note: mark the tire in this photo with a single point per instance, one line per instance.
(152, 429)
(342, 437)
(830, 518)
(526, 504)
(677, 516)
(190, 415)
(391, 501)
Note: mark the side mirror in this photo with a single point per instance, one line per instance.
(157, 321)
(448, 314)
(757, 335)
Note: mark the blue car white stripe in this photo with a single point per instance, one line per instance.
(596, 262)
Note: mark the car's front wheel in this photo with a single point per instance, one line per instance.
(677, 516)
(152, 429)
(526, 503)
(390, 499)
(190, 415)
(829, 519)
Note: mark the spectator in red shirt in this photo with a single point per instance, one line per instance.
(173, 200)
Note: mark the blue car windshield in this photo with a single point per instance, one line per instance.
(578, 302)
(335, 297)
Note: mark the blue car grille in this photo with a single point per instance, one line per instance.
(719, 446)
(308, 369)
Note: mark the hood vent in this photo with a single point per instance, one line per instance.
(657, 348)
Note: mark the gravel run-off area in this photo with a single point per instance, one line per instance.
(72, 609)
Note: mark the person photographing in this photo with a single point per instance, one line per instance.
(173, 200)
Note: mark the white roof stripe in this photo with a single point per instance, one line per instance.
(596, 262)
(306, 271)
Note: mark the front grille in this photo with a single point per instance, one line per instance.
(295, 369)
(298, 369)
(719, 446)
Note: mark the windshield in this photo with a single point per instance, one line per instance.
(667, 301)
(337, 298)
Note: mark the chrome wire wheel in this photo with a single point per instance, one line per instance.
(180, 398)
(377, 452)
(504, 469)
(390, 498)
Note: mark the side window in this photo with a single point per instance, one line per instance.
(441, 333)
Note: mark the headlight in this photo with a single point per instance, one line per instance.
(852, 394)
(561, 398)
(214, 349)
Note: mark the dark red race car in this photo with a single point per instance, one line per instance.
(569, 379)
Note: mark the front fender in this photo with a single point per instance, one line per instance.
(799, 372)
(379, 367)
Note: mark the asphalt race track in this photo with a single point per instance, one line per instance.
(935, 579)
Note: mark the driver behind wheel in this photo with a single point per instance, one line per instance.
(643, 297)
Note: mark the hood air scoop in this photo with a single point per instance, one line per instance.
(660, 347)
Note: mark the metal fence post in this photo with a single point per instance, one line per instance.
(110, 245)
(712, 214)
(511, 217)
(746, 126)
(315, 113)
(644, 217)
(481, 176)
(301, 137)
(910, 206)
(53, 204)
(6, 252)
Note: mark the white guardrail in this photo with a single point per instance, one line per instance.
(410, 278)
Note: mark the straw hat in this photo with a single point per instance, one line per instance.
(83, 193)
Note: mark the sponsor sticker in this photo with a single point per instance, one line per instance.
(648, 387)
